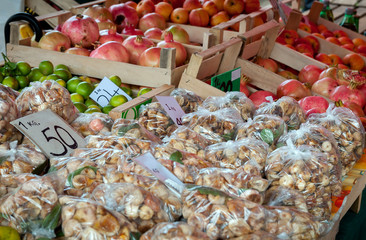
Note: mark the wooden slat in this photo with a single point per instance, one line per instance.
(344, 2)
(362, 3)
(42, 8)
(65, 4)
(339, 12)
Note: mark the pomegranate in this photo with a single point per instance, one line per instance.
(152, 20)
(309, 74)
(324, 86)
(113, 51)
(293, 88)
(55, 41)
(154, 33)
(179, 34)
(269, 64)
(78, 51)
(136, 45)
(107, 24)
(110, 35)
(363, 88)
(243, 85)
(330, 72)
(82, 30)
(98, 12)
(355, 108)
(131, 30)
(181, 52)
(346, 77)
(259, 97)
(314, 102)
(348, 94)
(123, 15)
(150, 57)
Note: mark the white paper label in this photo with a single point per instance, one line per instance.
(172, 107)
(148, 162)
(235, 74)
(52, 134)
(105, 90)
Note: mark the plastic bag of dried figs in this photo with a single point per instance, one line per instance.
(9, 91)
(283, 196)
(10, 182)
(102, 156)
(34, 207)
(132, 146)
(189, 101)
(8, 113)
(267, 128)
(219, 215)
(319, 137)
(234, 182)
(218, 126)
(155, 120)
(347, 130)
(236, 100)
(249, 154)
(19, 159)
(137, 204)
(93, 124)
(174, 230)
(128, 128)
(86, 219)
(306, 169)
(286, 108)
(47, 95)
(151, 184)
(258, 235)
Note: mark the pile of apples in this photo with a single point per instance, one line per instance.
(309, 46)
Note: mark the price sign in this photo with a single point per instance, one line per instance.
(52, 134)
(172, 107)
(228, 81)
(105, 91)
(148, 162)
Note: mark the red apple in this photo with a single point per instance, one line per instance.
(154, 33)
(290, 36)
(318, 35)
(308, 54)
(287, 74)
(175, 3)
(342, 66)
(358, 42)
(318, 103)
(305, 27)
(192, 4)
(305, 48)
(324, 86)
(313, 42)
(235, 26)
(327, 34)
(333, 40)
(219, 4)
(152, 20)
(324, 58)
(269, 64)
(345, 40)
(322, 28)
(340, 33)
(354, 60)
(251, 6)
(179, 15)
(219, 17)
(131, 4)
(335, 59)
(314, 28)
(145, 7)
(290, 46)
(164, 9)
(281, 40)
(199, 17)
(361, 49)
(210, 8)
(233, 7)
(309, 74)
(348, 46)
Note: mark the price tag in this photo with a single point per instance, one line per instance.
(148, 162)
(172, 107)
(52, 134)
(228, 81)
(105, 91)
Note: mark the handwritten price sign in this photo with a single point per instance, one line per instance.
(228, 81)
(50, 133)
(172, 107)
(148, 162)
(105, 91)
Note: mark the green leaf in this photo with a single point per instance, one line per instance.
(52, 219)
(12, 66)
(177, 157)
(135, 235)
(228, 136)
(77, 172)
(206, 190)
(52, 169)
(267, 136)
(122, 130)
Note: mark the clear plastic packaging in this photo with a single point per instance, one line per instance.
(102, 156)
(128, 128)
(347, 130)
(131, 146)
(189, 101)
(286, 108)
(218, 126)
(319, 137)
(283, 196)
(268, 128)
(234, 182)
(17, 159)
(249, 154)
(175, 230)
(306, 169)
(47, 95)
(151, 184)
(34, 206)
(155, 120)
(220, 215)
(93, 124)
(236, 100)
(86, 219)
(9, 91)
(137, 204)
(8, 112)
(10, 182)
(259, 235)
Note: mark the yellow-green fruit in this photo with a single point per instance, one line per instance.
(52, 77)
(23, 68)
(117, 100)
(11, 82)
(62, 66)
(23, 81)
(46, 67)
(76, 97)
(92, 110)
(80, 106)
(35, 74)
(72, 84)
(84, 89)
(107, 109)
(61, 82)
(63, 74)
(143, 91)
(116, 80)
(8, 233)
(90, 101)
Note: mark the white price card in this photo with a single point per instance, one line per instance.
(172, 107)
(105, 90)
(148, 162)
(52, 134)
